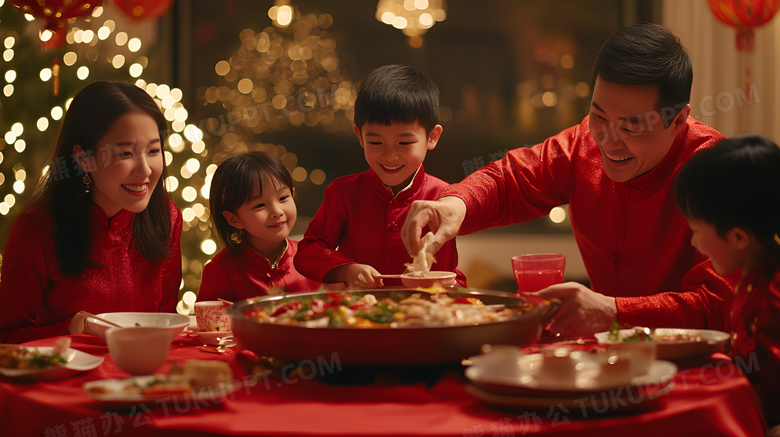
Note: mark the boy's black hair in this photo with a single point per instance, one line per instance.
(735, 183)
(649, 54)
(397, 93)
(233, 183)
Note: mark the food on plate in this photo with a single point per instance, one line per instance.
(191, 376)
(637, 334)
(646, 334)
(357, 310)
(20, 357)
(202, 373)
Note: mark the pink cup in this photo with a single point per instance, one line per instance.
(210, 315)
(536, 271)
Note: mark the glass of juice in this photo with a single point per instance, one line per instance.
(536, 271)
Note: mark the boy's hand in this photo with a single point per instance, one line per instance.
(356, 276)
(443, 217)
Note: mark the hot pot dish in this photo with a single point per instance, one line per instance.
(387, 326)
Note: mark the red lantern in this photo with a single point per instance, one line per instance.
(744, 15)
(55, 15)
(140, 9)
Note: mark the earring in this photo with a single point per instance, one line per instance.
(237, 236)
(86, 180)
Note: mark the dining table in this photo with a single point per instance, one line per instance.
(709, 396)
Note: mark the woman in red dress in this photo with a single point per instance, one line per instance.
(102, 234)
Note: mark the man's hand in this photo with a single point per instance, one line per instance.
(583, 311)
(355, 276)
(443, 217)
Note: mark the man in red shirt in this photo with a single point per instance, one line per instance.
(616, 171)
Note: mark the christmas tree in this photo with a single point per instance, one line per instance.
(39, 84)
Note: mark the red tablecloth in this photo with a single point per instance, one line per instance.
(710, 399)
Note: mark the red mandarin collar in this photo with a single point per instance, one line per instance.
(264, 264)
(387, 193)
(101, 221)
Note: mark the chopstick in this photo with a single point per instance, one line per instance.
(225, 301)
(84, 313)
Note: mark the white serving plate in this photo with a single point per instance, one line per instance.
(77, 362)
(614, 400)
(521, 377)
(711, 342)
(115, 396)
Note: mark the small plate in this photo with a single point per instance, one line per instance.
(77, 362)
(113, 392)
(211, 338)
(679, 350)
(521, 377)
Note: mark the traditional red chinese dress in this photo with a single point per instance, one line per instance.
(360, 221)
(634, 241)
(755, 340)
(38, 301)
(248, 274)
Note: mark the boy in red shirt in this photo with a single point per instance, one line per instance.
(730, 195)
(354, 237)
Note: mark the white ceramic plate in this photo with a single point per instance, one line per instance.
(521, 377)
(77, 362)
(711, 342)
(601, 402)
(111, 392)
(176, 322)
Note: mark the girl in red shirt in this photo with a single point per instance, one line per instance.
(253, 212)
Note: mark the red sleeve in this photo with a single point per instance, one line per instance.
(704, 301)
(25, 278)
(215, 283)
(171, 279)
(767, 337)
(524, 185)
(317, 253)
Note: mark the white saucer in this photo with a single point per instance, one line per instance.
(211, 338)
(521, 377)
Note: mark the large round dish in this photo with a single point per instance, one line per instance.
(380, 346)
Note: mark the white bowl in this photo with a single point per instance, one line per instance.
(174, 322)
(139, 350)
(429, 279)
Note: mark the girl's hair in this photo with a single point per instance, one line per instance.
(736, 183)
(90, 116)
(232, 185)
